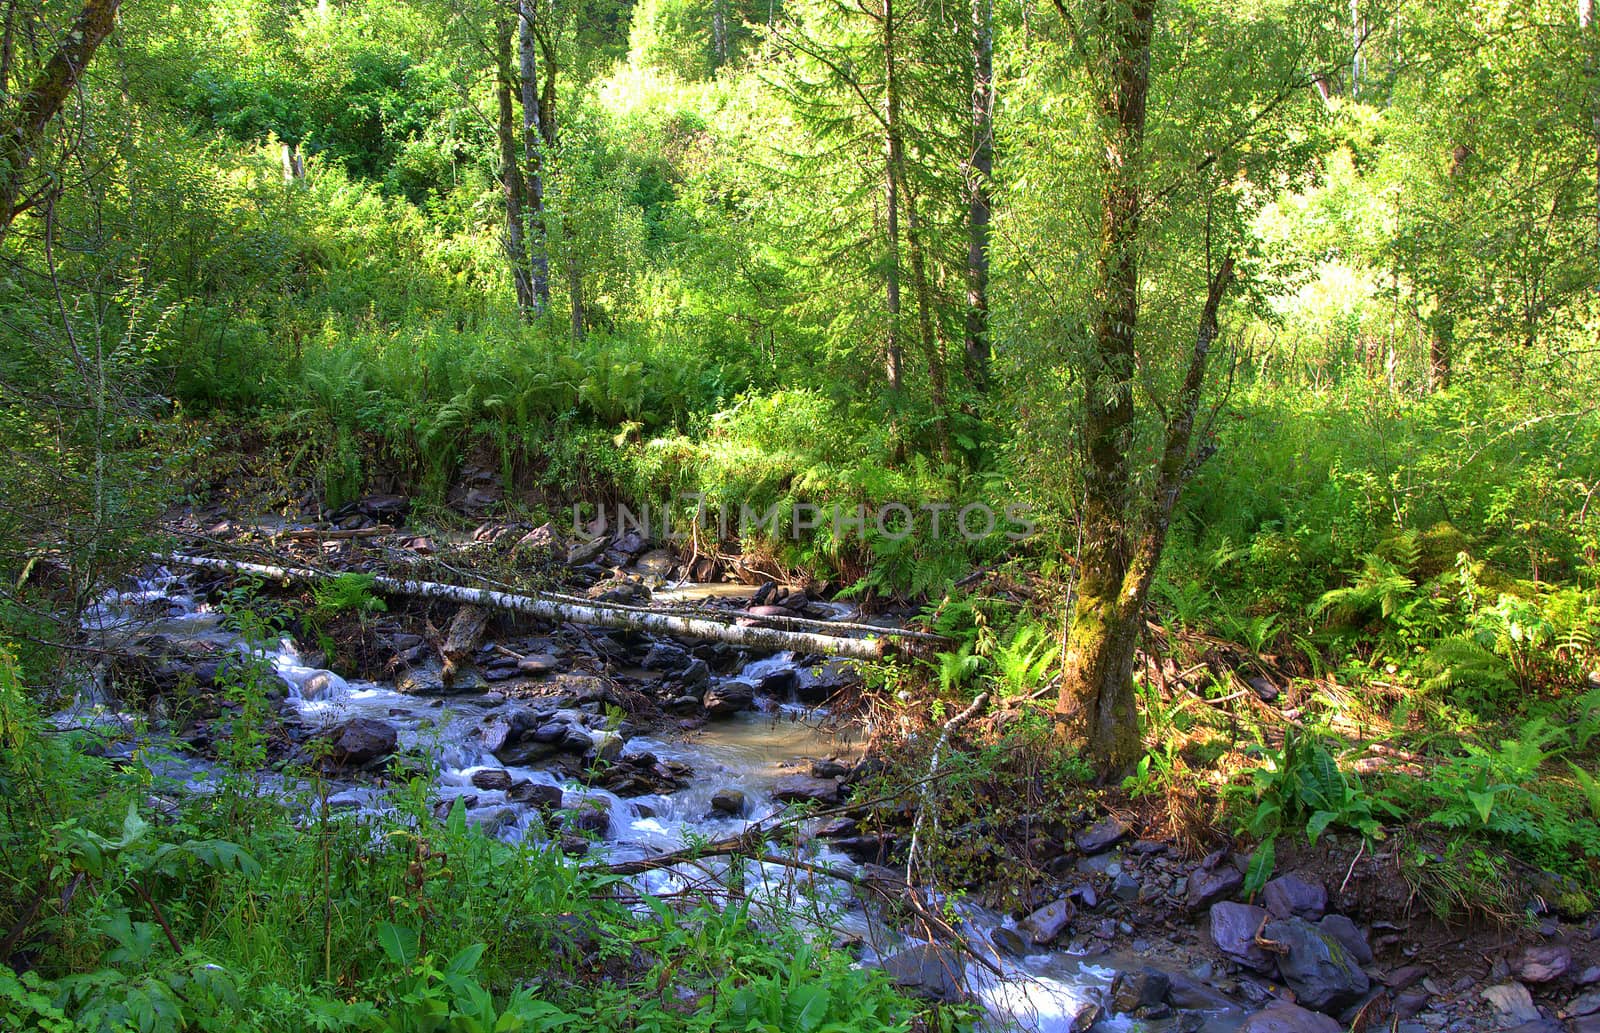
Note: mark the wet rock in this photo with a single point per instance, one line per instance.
(592, 816)
(574, 846)
(928, 971)
(492, 821)
(728, 801)
(666, 656)
(829, 769)
(1010, 941)
(583, 552)
(657, 561)
(778, 683)
(729, 697)
(606, 746)
(818, 684)
(1349, 936)
(1207, 886)
(1135, 992)
(1544, 964)
(1192, 995)
(872, 848)
(386, 509)
(1233, 930)
(1101, 836)
(535, 794)
(1283, 1017)
(683, 706)
(491, 779)
(805, 789)
(1046, 925)
(1290, 896)
(360, 741)
(697, 675)
(1318, 967)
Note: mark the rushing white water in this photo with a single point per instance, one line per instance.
(1045, 993)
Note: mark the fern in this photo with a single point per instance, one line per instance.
(1460, 663)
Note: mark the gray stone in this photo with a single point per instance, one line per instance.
(666, 656)
(1283, 1017)
(1511, 1001)
(1047, 924)
(1589, 976)
(1290, 896)
(1134, 992)
(1321, 971)
(1101, 836)
(607, 746)
(1349, 936)
(805, 789)
(1125, 887)
(656, 561)
(1100, 864)
(1233, 930)
(360, 741)
(1409, 1003)
(929, 971)
(1544, 964)
(1586, 1004)
(728, 801)
(536, 665)
(1208, 887)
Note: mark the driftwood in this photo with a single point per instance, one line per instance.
(333, 534)
(560, 610)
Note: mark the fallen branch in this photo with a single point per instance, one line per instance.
(563, 611)
(933, 773)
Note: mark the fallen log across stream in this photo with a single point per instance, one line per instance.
(565, 610)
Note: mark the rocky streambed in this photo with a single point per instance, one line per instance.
(615, 746)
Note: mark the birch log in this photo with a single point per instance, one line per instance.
(559, 610)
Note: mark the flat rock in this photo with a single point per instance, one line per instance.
(1544, 964)
(804, 788)
(1290, 896)
(1319, 969)
(729, 697)
(1585, 1004)
(536, 794)
(1101, 836)
(1283, 1017)
(1134, 992)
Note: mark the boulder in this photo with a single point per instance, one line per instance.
(829, 769)
(1134, 992)
(1046, 925)
(1349, 935)
(535, 794)
(1233, 930)
(1290, 896)
(666, 656)
(928, 971)
(1544, 964)
(1320, 970)
(657, 561)
(360, 741)
(1283, 1017)
(491, 779)
(1010, 941)
(1101, 836)
(728, 801)
(1512, 1002)
(729, 697)
(805, 789)
(820, 683)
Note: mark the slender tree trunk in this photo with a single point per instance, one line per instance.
(575, 292)
(535, 137)
(512, 184)
(894, 359)
(294, 170)
(1097, 680)
(23, 130)
(979, 176)
(1441, 345)
(719, 32)
(1586, 26)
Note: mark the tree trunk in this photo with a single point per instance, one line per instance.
(1586, 27)
(575, 292)
(512, 185)
(979, 176)
(537, 127)
(23, 131)
(1441, 346)
(894, 359)
(294, 170)
(1097, 679)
